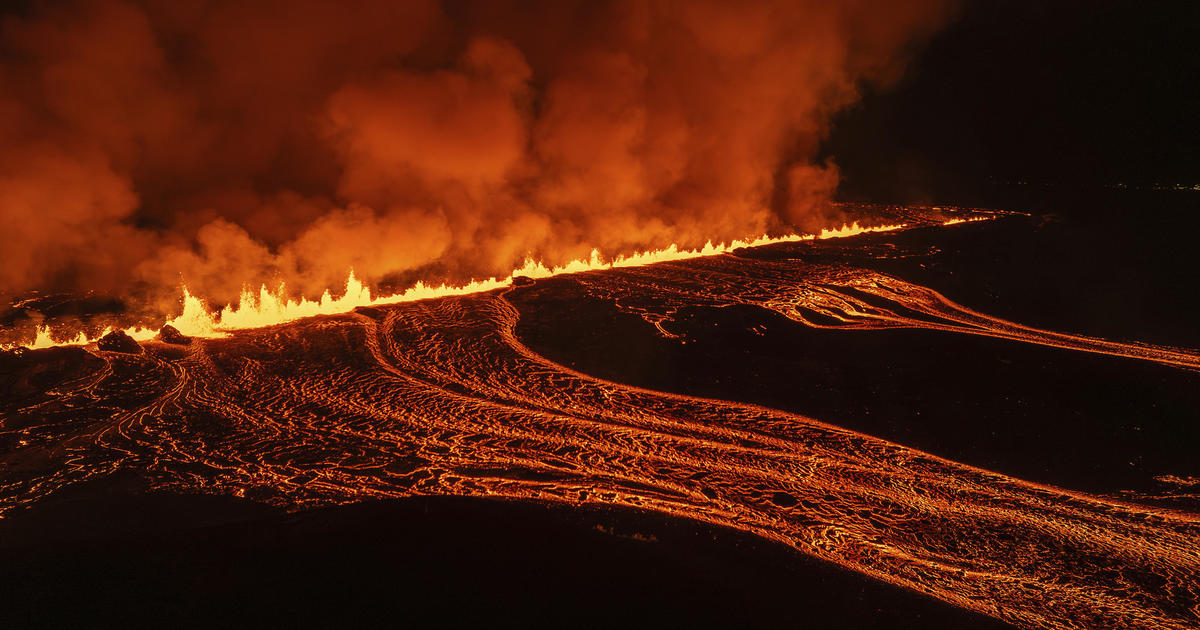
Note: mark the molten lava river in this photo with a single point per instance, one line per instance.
(446, 397)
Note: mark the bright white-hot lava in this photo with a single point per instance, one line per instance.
(268, 307)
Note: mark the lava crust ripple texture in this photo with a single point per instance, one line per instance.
(441, 398)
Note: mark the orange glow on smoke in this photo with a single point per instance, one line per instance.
(268, 307)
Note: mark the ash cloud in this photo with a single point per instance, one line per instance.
(147, 144)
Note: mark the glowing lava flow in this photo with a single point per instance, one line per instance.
(267, 307)
(444, 398)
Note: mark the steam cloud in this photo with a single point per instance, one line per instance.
(145, 144)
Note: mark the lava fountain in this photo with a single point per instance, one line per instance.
(268, 307)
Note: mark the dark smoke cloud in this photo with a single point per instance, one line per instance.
(220, 143)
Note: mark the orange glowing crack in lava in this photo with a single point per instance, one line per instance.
(440, 397)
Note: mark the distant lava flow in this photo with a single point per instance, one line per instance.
(441, 397)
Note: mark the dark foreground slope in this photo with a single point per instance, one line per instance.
(426, 561)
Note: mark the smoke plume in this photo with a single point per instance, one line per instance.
(223, 143)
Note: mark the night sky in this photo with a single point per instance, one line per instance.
(1059, 94)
